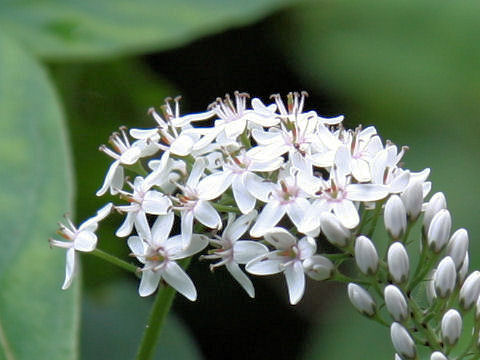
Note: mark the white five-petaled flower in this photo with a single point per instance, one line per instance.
(194, 204)
(284, 197)
(124, 154)
(82, 239)
(159, 252)
(231, 251)
(289, 258)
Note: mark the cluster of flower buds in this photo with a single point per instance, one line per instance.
(262, 189)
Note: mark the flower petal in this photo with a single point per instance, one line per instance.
(176, 250)
(186, 226)
(161, 228)
(127, 226)
(280, 238)
(268, 218)
(245, 201)
(237, 228)
(246, 250)
(297, 209)
(137, 245)
(295, 281)
(69, 268)
(174, 275)
(207, 215)
(267, 264)
(149, 282)
(241, 278)
(113, 179)
(347, 213)
(214, 185)
(156, 203)
(366, 192)
(85, 241)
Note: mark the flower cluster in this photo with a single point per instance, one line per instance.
(264, 188)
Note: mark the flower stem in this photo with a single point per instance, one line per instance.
(156, 320)
(114, 260)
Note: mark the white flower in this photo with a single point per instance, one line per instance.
(194, 204)
(285, 197)
(288, 258)
(238, 172)
(159, 253)
(124, 154)
(142, 201)
(82, 239)
(231, 251)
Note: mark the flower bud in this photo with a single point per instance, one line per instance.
(439, 230)
(437, 355)
(398, 263)
(462, 273)
(477, 309)
(397, 357)
(451, 327)
(366, 255)
(470, 290)
(436, 203)
(396, 303)
(445, 278)
(430, 287)
(335, 232)
(395, 217)
(458, 246)
(402, 341)
(412, 198)
(361, 299)
(318, 267)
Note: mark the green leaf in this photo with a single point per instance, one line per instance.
(72, 29)
(114, 318)
(37, 319)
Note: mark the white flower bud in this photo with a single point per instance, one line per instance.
(477, 309)
(395, 217)
(436, 203)
(451, 326)
(445, 277)
(412, 198)
(318, 267)
(335, 232)
(402, 341)
(366, 255)
(439, 230)
(462, 273)
(396, 303)
(397, 357)
(398, 262)
(437, 355)
(458, 246)
(430, 288)
(470, 290)
(361, 299)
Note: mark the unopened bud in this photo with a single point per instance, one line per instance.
(437, 355)
(477, 309)
(458, 246)
(366, 255)
(402, 341)
(318, 267)
(436, 203)
(462, 273)
(412, 198)
(430, 287)
(396, 303)
(398, 262)
(361, 299)
(395, 217)
(439, 230)
(335, 232)
(397, 357)
(470, 290)
(445, 277)
(451, 327)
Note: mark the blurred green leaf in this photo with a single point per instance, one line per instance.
(114, 318)
(75, 30)
(37, 319)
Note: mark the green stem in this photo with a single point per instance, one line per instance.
(114, 260)
(156, 320)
